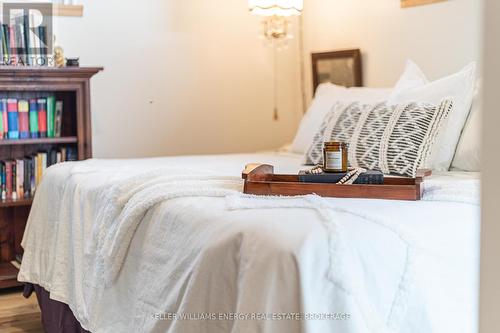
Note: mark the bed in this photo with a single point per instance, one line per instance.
(172, 245)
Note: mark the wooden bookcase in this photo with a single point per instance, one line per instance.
(72, 86)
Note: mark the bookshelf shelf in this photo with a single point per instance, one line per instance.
(69, 139)
(15, 203)
(71, 86)
(8, 275)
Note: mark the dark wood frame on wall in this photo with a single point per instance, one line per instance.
(355, 54)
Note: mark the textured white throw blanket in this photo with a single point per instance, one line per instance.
(86, 215)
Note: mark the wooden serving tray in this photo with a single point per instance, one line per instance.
(261, 180)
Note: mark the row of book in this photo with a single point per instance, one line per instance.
(30, 118)
(22, 45)
(20, 177)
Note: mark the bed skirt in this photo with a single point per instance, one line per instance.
(57, 317)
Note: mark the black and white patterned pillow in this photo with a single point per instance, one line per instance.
(393, 139)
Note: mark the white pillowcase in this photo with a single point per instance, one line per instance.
(468, 155)
(412, 77)
(327, 94)
(458, 87)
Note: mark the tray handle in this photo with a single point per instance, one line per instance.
(419, 178)
(422, 173)
(257, 172)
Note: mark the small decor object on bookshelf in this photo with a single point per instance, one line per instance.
(73, 62)
(58, 56)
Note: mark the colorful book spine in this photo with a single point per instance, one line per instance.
(63, 154)
(58, 120)
(33, 42)
(71, 154)
(26, 35)
(35, 171)
(13, 118)
(39, 169)
(5, 44)
(42, 33)
(8, 179)
(14, 181)
(44, 163)
(26, 180)
(2, 49)
(5, 118)
(2, 111)
(32, 175)
(51, 113)
(42, 117)
(33, 118)
(20, 178)
(24, 122)
(12, 46)
(21, 48)
(51, 158)
(4, 187)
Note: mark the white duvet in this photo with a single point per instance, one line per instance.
(172, 245)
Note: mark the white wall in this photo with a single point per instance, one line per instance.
(441, 38)
(181, 77)
(490, 228)
(191, 76)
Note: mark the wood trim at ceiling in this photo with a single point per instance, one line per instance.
(413, 3)
(68, 10)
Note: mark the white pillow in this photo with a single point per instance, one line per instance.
(458, 87)
(327, 94)
(412, 77)
(468, 155)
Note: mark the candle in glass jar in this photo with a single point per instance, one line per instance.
(335, 157)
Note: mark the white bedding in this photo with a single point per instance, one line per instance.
(126, 245)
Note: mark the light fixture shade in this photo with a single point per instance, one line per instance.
(276, 7)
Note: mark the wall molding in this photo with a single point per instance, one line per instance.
(413, 3)
(67, 10)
